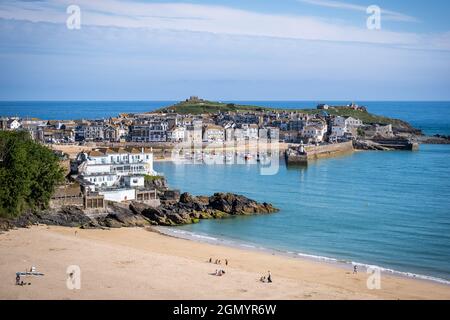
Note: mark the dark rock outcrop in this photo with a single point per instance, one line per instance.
(189, 209)
(238, 205)
(436, 139)
(121, 216)
(69, 216)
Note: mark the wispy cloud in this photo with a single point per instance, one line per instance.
(386, 14)
(222, 20)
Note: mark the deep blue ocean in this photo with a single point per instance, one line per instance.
(390, 209)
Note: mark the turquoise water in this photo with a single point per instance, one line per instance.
(389, 209)
(432, 117)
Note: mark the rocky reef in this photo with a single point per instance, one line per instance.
(188, 209)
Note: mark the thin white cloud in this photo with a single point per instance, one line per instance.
(215, 20)
(386, 14)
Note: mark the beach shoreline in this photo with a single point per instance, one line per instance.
(336, 262)
(133, 263)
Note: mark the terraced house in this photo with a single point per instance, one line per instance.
(151, 131)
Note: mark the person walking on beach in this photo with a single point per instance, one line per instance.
(210, 260)
(269, 277)
(226, 262)
(355, 269)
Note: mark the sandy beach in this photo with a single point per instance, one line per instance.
(134, 263)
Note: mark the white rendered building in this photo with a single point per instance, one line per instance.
(116, 172)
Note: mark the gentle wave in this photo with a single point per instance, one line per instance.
(402, 273)
(205, 238)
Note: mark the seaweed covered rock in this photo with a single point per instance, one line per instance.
(236, 204)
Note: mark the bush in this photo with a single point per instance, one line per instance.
(149, 178)
(29, 173)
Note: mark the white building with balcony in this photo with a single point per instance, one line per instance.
(110, 170)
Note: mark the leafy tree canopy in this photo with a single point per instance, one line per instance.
(29, 173)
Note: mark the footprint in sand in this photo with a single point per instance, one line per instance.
(124, 262)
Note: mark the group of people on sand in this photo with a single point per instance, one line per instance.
(219, 272)
(19, 281)
(217, 261)
(267, 279)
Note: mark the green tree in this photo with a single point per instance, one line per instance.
(29, 173)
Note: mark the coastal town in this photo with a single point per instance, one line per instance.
(113, 157)
(290, 126)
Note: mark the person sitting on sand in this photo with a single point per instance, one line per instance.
(262, 279)
(17, 279)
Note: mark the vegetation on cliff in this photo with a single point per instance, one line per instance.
(204, 107)
(29, 173)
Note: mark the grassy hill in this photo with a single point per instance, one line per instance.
(204, 107)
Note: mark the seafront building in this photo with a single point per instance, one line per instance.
(344, 127)
(152, 131)
(118, 174)
(315, 132)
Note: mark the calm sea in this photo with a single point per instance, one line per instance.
(390, 209)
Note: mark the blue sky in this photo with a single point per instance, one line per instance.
(225, 50)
